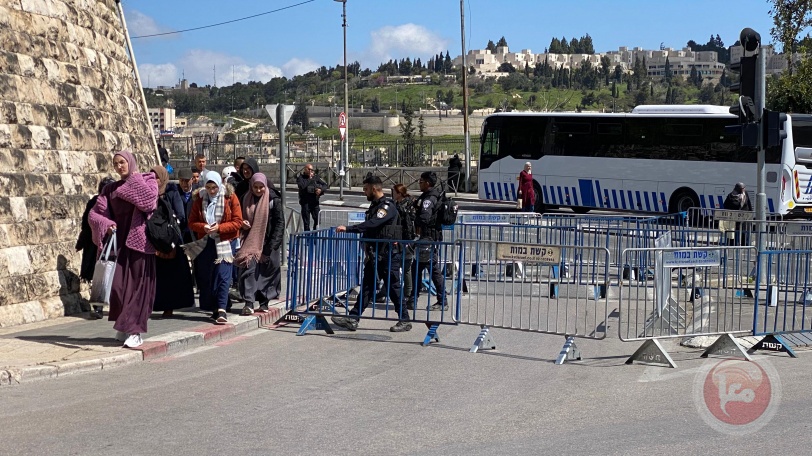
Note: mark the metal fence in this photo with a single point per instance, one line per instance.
(390, 153)
(536, 298)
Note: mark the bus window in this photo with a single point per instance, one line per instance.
(802, 131)
(523, 138)
(571, 138)
(490, 143)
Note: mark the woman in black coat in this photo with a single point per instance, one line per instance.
(90, 253)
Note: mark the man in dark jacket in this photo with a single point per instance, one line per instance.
(185, 190)
(311, 187)
(430, 231)
(738, 200)
(454, 170)
(381, 222)
(247, 168)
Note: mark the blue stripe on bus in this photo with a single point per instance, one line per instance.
(702, 201)
(499, 189)
(487, 191)
(645, 198)
(587, 193)
(598, 188)
(631, 199)
(614, 199)
(567, 197)
(655, 202)
(721, 201)
(606, 199)
(507, 191)
(639, 202)
(560, 196)
(665, 204)
(711, 204)
(575, 195)
(493, 190)
(546, 198)
(622, 200)
(770, 205)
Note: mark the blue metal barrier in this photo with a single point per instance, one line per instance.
(326, 276)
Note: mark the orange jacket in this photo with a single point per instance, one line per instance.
(232, 217)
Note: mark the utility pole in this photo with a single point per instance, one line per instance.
(465, 101)
(345, 143)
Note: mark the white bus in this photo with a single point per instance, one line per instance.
(660, 159)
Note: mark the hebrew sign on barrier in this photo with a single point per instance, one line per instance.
(530, 253)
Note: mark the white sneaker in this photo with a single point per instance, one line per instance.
(133, 340)
(121, 336)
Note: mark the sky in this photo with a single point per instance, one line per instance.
(301, 38)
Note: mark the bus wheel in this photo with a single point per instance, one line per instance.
(682, 200)
(539, 206)
(580, 209)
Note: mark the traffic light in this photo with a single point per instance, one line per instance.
(774, 132)
(748, 126)
(746, 67)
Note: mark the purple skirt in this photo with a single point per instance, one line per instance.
(133, 292)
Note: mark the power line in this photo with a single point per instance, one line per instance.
(223, 23)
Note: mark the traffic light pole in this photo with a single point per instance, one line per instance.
(761, 195)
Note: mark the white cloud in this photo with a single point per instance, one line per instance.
(296, 66)
(198, 65)
(401, 41)
(164, 74)
(139, 24)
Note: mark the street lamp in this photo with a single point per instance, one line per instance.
(345, 146)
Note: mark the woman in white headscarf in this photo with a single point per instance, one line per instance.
(216, 214)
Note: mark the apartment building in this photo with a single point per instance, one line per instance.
(162, 120)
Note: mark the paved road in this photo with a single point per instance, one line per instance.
(374, 392)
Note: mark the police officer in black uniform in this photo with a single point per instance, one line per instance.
(381, 222)
(429, 230)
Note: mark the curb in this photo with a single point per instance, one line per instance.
(153, 348)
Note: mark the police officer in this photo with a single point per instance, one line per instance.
(429, 230)
(381, 222)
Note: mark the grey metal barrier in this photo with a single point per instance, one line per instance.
(332, 218)
(686, 292)
(539, 298)
(328, 270)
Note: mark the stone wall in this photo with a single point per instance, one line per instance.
(68, 100)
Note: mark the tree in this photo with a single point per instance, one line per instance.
(491, 47)
(506, 68)
(449, 97)
(792, 91)
(668, 73)
(376, 105)
(555, 46)
(407, 127)
(502, 42)
(618, 76)
(606, 66)
(447, 67)
(300, 116)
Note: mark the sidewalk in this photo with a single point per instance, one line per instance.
(73, 344)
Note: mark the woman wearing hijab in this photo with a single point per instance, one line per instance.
(258, 258)
(122, 210)
(247, 169)
(217, 216)
(174, 279)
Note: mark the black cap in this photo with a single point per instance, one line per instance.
(372, 180)
(185, 173)
(430, 177)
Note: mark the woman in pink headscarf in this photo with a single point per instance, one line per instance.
(122, 210)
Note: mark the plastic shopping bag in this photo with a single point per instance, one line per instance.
(103, 273)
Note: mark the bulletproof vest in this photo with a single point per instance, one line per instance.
(392, 230)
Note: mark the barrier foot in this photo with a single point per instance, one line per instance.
(774, 343)
(727, 346)
(314, 322)
(484, 341)
(652, 352)
(432, 334)
(569, 352)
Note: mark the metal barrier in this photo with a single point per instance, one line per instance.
(541, 299)
(693, 291)
(327, 270)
